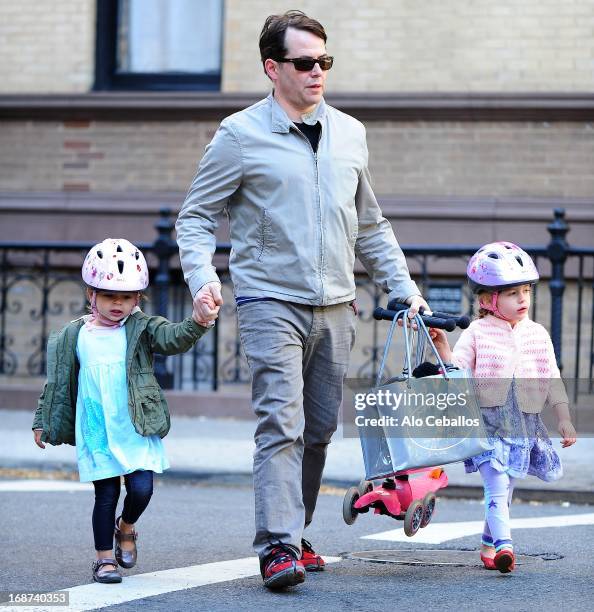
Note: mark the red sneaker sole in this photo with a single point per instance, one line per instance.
(313, 567)
(285, 578)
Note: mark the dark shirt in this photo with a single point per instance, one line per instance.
(312, 132)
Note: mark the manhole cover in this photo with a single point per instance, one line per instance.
(461, 558)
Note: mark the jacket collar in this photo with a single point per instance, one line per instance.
(503, 324)
(280, 120)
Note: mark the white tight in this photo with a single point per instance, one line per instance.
(499, 488)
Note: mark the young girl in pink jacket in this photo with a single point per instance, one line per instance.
(516, 375)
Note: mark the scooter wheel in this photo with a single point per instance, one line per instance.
(413, 518)
(349, 514)
(365, 486)
(428, 508)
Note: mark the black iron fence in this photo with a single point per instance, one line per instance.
(41, 289)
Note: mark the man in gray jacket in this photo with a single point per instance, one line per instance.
(291, 172)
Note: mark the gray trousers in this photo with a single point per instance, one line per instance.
(298, 357)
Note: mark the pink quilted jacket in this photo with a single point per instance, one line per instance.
(496, 353)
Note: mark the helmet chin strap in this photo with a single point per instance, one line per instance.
(104, 321)
(493, 307)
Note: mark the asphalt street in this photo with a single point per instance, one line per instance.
(205, 447)
(48, 546)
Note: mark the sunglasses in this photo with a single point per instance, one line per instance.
(305, 64)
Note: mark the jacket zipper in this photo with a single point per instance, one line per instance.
(321, 225)
(319, 202)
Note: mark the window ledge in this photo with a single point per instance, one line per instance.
(174, 106)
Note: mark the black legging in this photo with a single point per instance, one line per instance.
(139, 489)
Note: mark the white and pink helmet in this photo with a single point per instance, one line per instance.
(115, 265)
(499, 265)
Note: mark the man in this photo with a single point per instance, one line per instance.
(291, 172)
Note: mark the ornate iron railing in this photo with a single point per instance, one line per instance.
(41, 289)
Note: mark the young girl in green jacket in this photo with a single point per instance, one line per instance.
(102, 395)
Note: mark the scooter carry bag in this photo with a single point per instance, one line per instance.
(410, 422)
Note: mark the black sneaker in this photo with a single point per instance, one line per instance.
(281, 568)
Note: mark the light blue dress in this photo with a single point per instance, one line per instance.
(106, 442)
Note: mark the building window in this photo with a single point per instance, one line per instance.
(159, 44)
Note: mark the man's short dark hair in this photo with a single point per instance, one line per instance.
(272, 37)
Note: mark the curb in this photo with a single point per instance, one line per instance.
(245, 479)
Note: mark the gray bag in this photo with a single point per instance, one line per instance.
(435, 428)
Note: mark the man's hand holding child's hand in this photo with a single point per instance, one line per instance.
(207, 304)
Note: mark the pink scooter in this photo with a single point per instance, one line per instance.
(407, 495)
(399, 496)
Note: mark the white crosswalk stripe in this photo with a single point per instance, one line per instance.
(437, 533)
(93, 596)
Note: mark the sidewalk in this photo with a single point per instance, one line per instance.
(206, 447)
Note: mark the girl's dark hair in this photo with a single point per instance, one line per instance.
(272, 37)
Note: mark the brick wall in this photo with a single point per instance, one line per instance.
(47, 46)
(434, 45)
(380, 45)
(100, 156)
(463, 159)
(491, 159)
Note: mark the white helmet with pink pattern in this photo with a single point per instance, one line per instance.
(115, 265)
(500, 265)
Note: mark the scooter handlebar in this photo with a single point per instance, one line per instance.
(461, 321)
(430, 321)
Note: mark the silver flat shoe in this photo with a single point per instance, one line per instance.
(104, 575)
(125, 558)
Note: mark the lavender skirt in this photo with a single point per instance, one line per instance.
(521, 443)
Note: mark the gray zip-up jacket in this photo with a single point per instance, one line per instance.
(297, 217)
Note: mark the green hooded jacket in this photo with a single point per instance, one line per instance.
(56, 409)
